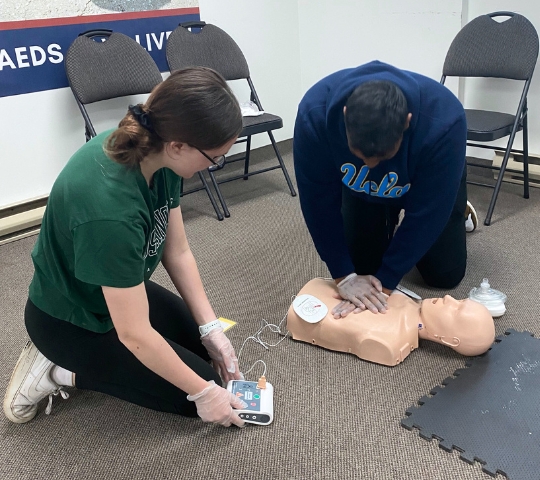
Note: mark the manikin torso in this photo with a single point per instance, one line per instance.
(389, 338)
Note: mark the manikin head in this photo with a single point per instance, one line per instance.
(465, 326)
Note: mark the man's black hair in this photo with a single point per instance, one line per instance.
(376, 117)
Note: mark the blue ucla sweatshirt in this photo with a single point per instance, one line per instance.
(423, 177)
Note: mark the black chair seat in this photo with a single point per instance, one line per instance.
(485, 125)
(260, 124)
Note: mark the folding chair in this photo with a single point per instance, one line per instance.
(208, 46)
(101, 65)
(508, 50)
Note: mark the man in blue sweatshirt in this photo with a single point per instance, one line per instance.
(369, 142)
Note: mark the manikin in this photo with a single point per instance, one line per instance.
(463, 325)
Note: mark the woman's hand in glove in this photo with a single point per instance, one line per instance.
(222, 354)
(363, 291)
(215, 404)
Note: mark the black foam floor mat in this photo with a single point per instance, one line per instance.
(490, 411)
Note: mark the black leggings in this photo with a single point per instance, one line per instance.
(443, 266)
(103, 364)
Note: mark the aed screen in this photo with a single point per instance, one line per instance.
(249, 393)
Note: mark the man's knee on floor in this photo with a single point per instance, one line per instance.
(445, 280)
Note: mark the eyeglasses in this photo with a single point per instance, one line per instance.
(217, 162)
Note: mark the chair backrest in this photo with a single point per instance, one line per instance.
(206, 46)
(487, 48)
(100, 70)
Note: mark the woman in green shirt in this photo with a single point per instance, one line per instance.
(95, 319)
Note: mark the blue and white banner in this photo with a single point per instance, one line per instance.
(32, 51)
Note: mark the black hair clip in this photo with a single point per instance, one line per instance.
(142, 117)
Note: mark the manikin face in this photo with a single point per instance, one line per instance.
(464, 325)
(447, 305)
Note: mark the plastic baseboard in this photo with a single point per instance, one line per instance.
(20, 225)
(515, 162)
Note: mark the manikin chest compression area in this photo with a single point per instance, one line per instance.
(463, 325)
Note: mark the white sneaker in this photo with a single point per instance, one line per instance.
(471, 218)
(30, 383)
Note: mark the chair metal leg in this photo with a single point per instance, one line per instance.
(248, 151)
(525, 156)
(219, 194)
(211, 196)
(491, 207)
(87, 134)
(285, 172)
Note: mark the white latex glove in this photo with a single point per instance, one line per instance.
(364, 291)
(222, 353)
(345, 307)
(215, 404)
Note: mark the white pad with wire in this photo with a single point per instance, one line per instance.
(309, 308)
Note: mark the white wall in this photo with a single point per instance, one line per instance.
(289, 45)
(39, 132)
(411, 34)
(267, 33)
(504, 95)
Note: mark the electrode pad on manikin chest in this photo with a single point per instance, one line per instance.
(309, 308)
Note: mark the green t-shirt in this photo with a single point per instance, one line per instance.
(103, 226)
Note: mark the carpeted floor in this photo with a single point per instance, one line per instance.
(336, 417)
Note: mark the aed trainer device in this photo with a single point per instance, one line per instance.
(260, 401)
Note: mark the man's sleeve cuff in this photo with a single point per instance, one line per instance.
(340, 268)
(388, 279)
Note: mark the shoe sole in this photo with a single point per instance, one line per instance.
(20, 372)
(474, 216)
